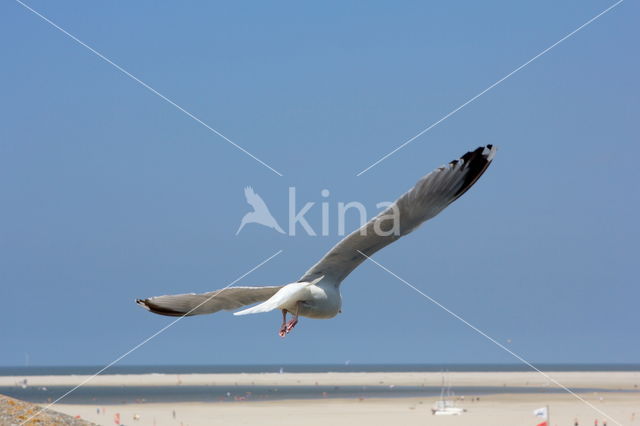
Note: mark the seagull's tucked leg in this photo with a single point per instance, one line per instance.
(294, 320)
(288, 326)
(283, 327)
(291, 324)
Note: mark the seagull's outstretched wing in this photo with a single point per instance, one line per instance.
(425, 200)
(207, 303)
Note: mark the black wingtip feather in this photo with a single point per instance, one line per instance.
(475, 162)
(151, 307)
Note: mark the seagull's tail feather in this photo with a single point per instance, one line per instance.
(286, 296)
(267, 306)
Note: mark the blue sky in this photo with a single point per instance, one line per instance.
(108, 193)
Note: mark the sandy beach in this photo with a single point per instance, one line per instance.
(619, 399)
(502, 410)
(618, 380)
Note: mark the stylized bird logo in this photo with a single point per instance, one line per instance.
(260, 214)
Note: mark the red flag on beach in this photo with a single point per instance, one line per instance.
(543, 424)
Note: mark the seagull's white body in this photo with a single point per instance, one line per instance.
(317, 293)
(318, 299)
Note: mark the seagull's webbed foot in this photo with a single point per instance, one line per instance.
(283, 328)
(286, 327)
(291, 324)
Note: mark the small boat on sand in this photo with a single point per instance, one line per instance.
(446, 406)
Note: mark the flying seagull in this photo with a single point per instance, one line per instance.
(260, 213)
(317, 293)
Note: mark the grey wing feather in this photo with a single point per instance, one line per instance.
(431, 194)
(207, 303)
